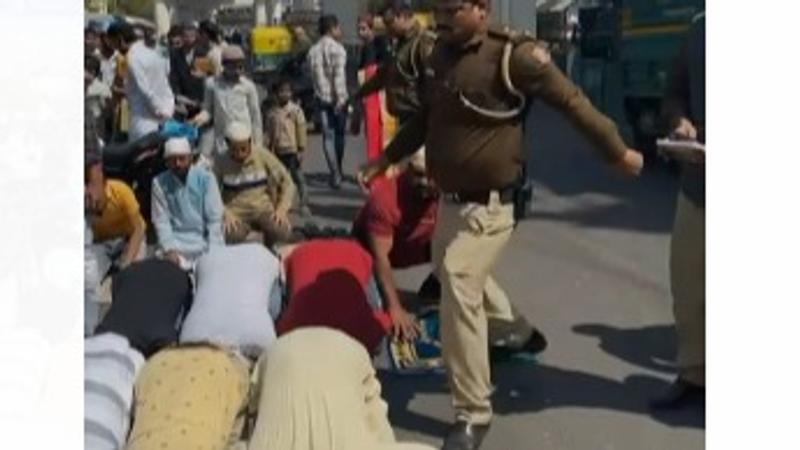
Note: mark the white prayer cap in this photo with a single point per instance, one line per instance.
(177, 147)
(232, 53)
(237, 132)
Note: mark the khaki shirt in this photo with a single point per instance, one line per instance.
(260, 184)
(286, 130)
(398, 75)
(467, 151)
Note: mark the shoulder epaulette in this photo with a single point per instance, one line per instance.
(510, 35)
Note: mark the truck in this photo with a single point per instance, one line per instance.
(626, 50)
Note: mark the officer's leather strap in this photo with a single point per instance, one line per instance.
(505, 64)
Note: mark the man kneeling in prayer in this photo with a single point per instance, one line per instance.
(329, 283)
(191, 396)
(256, 188)
(316, 389)
(396, 226)
(186, 207)
(117, 229)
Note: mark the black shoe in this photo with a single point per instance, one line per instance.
(510, 344)
(678, 395)
(536, 344)
(465, 436)
(430, 290)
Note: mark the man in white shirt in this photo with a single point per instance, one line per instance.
(231, 97)
(328, 59)
(147, 88)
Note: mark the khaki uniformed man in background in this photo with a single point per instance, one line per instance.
(256, 188)
(685, 108)
(477, 84)
(398, 76)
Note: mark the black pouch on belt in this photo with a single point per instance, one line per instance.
(523, 194)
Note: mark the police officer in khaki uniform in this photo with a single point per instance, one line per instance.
(398, 76)
(685, 108)
(509, 331)
(478, 82)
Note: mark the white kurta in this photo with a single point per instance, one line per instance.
(317, 390)
(233, 102)
(147, 89)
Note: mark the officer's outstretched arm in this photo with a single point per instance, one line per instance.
(374, 84)
(407, 141)
(534, 73)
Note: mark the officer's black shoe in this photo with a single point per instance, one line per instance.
(678, 395)
(536, 344)
(430, 290)
(465, 436)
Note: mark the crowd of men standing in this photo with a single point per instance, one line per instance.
(229, 290)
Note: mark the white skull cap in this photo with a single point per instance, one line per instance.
(237, 132)
(177, 147)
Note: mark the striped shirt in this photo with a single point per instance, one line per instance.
(260, 184)
(327, 60)
(110, 369)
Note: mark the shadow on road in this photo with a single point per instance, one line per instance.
(342, 212)
(527, 387)
(567, 165)
(399, 390)
(652, 347)
(644, 216)
(321, 179)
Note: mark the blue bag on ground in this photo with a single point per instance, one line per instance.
(174, 129)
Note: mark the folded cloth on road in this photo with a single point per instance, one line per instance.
(238, 296)
(190, 397)
(110, 369)
(148, 299)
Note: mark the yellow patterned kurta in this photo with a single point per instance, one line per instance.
(190, 398)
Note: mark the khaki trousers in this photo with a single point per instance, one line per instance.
(688, 280)
(255, 220)
(468, 240)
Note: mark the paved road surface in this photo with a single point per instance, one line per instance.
(590, 269)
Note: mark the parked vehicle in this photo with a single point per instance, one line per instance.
(626, 51)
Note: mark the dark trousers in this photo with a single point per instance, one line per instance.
(333, 129)
(292, 163)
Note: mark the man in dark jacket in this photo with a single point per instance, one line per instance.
(186, 81)
(684, 108)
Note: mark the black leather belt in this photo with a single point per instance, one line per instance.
(506, 195)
